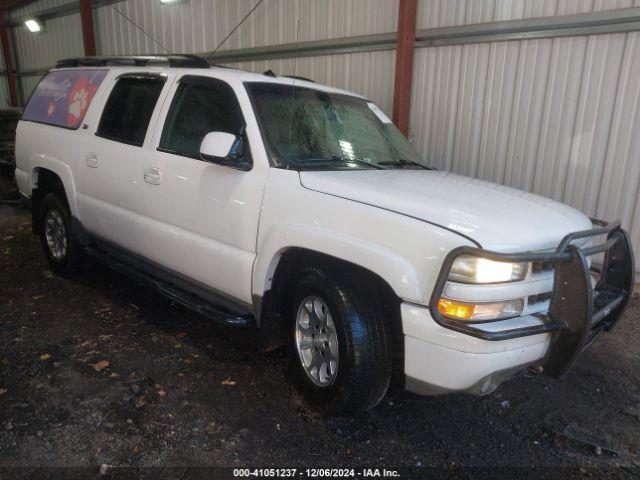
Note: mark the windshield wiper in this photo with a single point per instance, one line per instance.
(404, 163)
(334, 158)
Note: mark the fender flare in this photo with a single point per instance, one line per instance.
(62, 170)
(396, 270)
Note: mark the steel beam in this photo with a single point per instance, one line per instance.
(88, 34)
(593, 23)
(404, 64)
(58, 11)
(8, 61)
(334, 46)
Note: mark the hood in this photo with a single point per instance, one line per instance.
(497, 217)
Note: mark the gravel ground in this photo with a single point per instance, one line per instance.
(98, 372)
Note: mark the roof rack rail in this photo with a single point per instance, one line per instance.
(298, 77)
(174, 61)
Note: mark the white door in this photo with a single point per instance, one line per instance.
(198, 218)
(109, 170)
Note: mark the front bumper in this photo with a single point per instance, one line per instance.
(438, 360)
(466, 356)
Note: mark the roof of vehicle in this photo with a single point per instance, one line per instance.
(192, 64)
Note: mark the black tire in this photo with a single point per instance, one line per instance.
(72, 258)
(364, 363)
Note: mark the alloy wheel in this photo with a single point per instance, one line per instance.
(317, 341)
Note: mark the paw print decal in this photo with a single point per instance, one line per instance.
(51, 109)
(79, 103)
(79, 100)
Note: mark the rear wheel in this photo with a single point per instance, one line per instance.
(56, 235)
(340, 353)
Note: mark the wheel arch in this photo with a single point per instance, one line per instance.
(396, 271)
(281, 272)
(52, 175)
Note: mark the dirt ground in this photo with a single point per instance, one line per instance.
(98, 372)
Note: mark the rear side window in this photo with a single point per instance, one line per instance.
(63, 97)
(129, 108)
(200, 105)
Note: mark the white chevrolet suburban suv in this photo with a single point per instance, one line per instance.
(300, 208)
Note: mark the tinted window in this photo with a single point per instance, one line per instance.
(62, 97)
(200, 105)
(128, 110)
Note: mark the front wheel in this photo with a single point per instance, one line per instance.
(340, 353)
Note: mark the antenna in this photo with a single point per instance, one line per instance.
(235, 28)
(140, 28)
(293, 85)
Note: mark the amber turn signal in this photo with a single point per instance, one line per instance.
(450, 308)
(480, 312)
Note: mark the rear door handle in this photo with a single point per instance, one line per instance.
(92, 160)
(153, 175)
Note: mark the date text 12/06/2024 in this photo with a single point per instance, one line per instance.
(316, 472)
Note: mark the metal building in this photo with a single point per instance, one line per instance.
(543, 95)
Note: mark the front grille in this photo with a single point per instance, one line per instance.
(539, 298)
(541, 267)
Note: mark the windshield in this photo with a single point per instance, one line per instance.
(306, 128)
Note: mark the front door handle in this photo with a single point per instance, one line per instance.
(153, 175)
(92, 160)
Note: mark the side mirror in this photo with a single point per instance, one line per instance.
(224, 149)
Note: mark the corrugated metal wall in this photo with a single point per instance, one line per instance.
(32, 8)
(61, 37)
(369, 74)
(558, 117)
(447, 13)
(200, 25)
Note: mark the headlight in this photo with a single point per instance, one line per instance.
(480, 312)
(470, 269)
